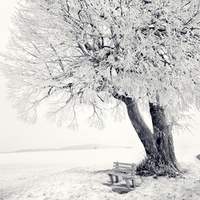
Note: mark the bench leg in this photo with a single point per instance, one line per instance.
(117, 179)
(127, 183)
(133, 182)
(111, 178)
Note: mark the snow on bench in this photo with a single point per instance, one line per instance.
(125, 170)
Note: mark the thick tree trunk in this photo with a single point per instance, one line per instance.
(158, 145)
(163, 137)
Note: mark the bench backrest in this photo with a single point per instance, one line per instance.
(128, 168)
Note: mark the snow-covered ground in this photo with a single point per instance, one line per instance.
(81, 174)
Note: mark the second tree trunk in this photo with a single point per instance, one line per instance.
(158, 144)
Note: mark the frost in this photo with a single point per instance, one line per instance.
(69, 53)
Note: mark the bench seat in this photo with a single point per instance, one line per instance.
(128, 176)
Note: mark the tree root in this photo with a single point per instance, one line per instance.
(150, 167)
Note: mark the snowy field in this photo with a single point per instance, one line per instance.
(79, 175)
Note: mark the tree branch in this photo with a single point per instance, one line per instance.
(59, 59)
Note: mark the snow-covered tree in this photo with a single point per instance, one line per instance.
(103, 52)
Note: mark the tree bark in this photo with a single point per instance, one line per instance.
(158, 144)
(162, 132)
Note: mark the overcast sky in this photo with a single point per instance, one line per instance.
(15, 135)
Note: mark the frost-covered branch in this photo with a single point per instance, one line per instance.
(93, 52)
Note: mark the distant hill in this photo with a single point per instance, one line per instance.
(77, 147)
(90, 146)
(35, 150)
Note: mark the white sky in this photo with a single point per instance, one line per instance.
(15, 135)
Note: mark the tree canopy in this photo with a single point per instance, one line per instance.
(74, 52)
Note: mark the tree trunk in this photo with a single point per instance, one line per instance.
(158, 145)
(162, 132)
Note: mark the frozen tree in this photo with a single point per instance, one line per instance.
(104, 52)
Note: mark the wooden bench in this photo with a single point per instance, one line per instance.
(125, 170)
